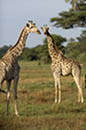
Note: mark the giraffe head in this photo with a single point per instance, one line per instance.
(31, 27)
(45, 29)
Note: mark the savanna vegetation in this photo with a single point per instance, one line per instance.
(36, 102)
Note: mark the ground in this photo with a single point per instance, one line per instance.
(36, 102)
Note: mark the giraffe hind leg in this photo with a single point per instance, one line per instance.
(59, 86)
(80, 94)
(56, 88)
(15, 82)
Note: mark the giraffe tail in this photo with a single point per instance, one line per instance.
(85, 80)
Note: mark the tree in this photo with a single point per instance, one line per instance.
(82, 37)
(3, 50)
(77, 49)
(74, 3)
(70, 19)
(40, 52)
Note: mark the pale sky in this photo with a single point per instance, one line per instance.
(14, 14)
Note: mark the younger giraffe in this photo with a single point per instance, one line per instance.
(62, 66)
(9, 67)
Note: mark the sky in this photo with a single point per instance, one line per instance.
(14, 15)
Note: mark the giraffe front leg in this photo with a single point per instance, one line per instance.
(56, 86)
(59, 87)
(15, 82)
(56, 89)
(8, 94)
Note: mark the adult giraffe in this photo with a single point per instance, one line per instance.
(62, 66)
(9, 67)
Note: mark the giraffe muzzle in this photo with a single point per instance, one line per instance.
(38, 32)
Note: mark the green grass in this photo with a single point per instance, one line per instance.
(36, 102)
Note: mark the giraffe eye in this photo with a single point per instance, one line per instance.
(27, 25)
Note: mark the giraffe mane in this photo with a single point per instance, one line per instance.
(55, 47)
(57, 50)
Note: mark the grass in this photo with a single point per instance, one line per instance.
(36, 102)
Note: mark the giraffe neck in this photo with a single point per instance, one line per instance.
(53, 50)
(18, 48)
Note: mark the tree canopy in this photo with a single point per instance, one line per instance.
(71, 18)
(40, 52)
(77, 49)
(74, 3)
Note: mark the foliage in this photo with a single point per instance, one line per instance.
(74, 4)
(70, 19)
(29, 54)
(71, 0)
(82, 37)
(40, 52)
(77, 50)
(3, 50)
